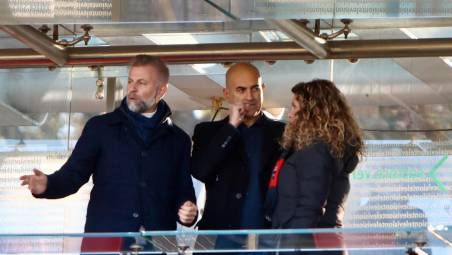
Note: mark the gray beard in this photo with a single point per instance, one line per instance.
(142, 105)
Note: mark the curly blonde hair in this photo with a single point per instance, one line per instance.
(324, 115)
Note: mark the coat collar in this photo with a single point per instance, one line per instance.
(118, 116)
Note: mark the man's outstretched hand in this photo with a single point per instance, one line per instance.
(37, 182)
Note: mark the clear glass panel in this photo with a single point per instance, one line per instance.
(327, 9)
(405, 178)
(103, 11)
(107, 11)
(34, 104)
(355, 241)
(403, 181)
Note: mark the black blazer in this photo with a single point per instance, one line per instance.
(313, 188)
(219, 161)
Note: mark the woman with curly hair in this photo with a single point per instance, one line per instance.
(323, 143)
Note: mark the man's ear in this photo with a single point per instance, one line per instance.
(162, 91)
(226, 93)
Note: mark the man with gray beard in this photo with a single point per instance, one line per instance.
(138, 158)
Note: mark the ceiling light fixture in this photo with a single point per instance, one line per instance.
(447, 60)
(409, 33)
(171, 38)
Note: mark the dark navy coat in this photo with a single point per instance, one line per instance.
(134, 184)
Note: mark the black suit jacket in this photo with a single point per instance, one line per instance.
(219, 161)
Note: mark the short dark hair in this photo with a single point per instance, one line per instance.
(156, 62)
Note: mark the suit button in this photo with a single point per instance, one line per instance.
(238, 195)
(135, 215)
(142, 184)
(144, 154)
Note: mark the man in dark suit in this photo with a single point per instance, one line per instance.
(138, 158)
(234, 157)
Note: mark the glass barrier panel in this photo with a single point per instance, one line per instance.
(352, 240)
